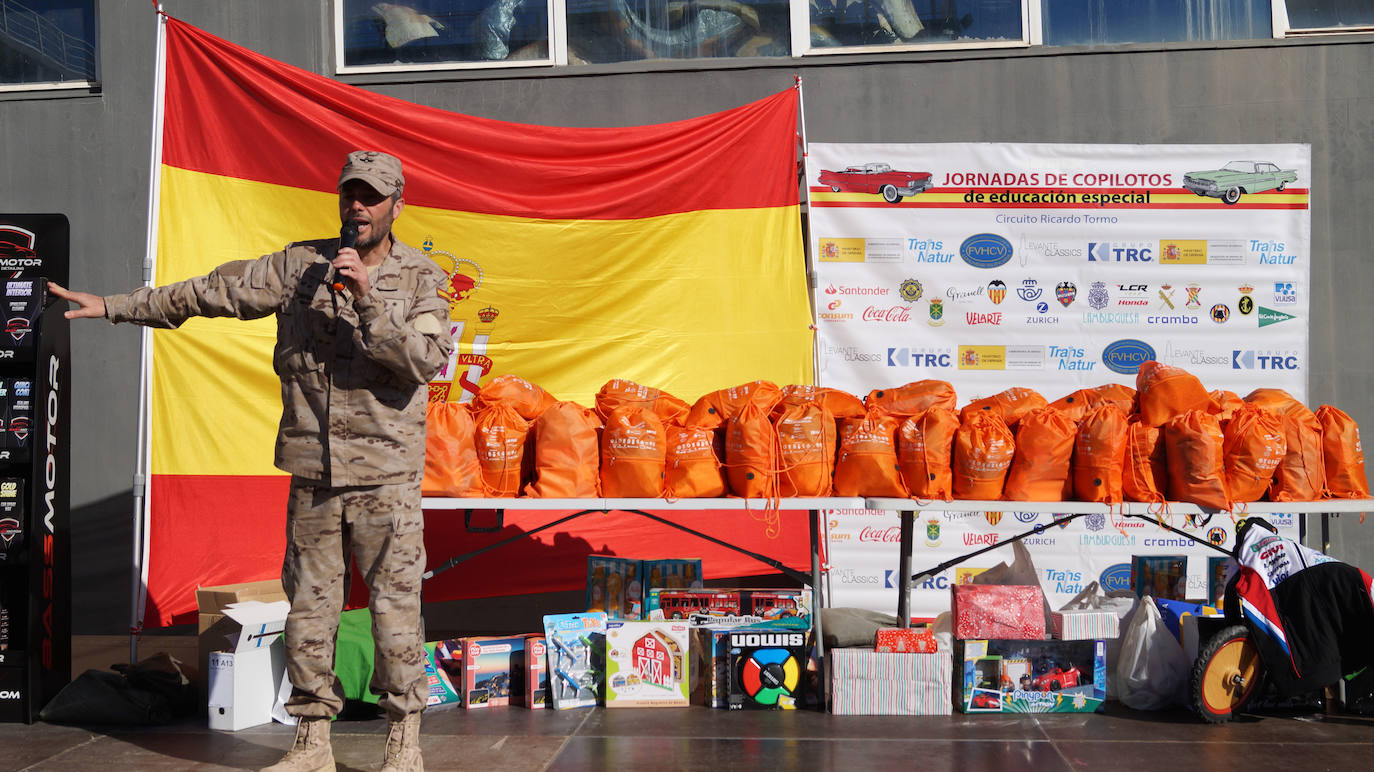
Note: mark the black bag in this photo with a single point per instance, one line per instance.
(158, 690)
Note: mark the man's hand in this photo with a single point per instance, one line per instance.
(88, 306)
(349, 268)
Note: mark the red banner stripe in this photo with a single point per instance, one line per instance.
(233, 112)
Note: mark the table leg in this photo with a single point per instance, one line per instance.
(816, 603)
(904, 573)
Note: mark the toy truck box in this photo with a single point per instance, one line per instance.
(647, 664)
(758, 603)
(1030, 676)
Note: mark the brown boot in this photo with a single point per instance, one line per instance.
(310, 752)
(403, 745)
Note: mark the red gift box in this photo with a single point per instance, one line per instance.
(909, 639)
(998, 611)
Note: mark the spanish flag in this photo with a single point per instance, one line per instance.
(670, 255)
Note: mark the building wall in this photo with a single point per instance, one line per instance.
(87, 155)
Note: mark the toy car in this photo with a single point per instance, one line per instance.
(1057, 679)
(877, 178)
(1236, 177)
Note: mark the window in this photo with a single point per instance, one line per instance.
(846, 24)
(442, 33)
(1101, 22)
(625, 30)
(47, 43)
(1329, 15)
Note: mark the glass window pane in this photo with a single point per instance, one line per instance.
(1099, 22)
(626, 30)
(47, 41)
(444, 31)
(906, 22)
(1312, 14)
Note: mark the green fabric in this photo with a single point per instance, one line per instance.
(353, 655)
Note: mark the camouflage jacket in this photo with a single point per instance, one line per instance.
(354, 371)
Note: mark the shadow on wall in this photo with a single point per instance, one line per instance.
(102, 565)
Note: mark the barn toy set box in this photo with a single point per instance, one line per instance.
(647, 664)
(1020, 676)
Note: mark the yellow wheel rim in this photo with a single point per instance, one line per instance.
(1231, 676)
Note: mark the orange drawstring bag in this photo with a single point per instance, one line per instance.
(841, 404)
(1193, 449)
(634, 452)
(806, 447)
(1224, 405)
(1044, 450)
(983, 450)
(499, 435)
(868, 457)
(693, 470)
(567, 453)
(1099, 451)
(1278, 401)
(451, 468)
(1253, 447)
(1342, 454)
(1164, 391)
(1078, 403)
(1144, 469)
(751, 453)
(714, 409)
(529, 400)
(925, 451)
(1301, 475)
(1009, 405)
(913, 398)
(622, 393)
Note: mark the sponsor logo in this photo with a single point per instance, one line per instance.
(852, 354)
(1095, 522)
(887, 314)
(1197, 357)
(1268, 316)
(1183, 252)
(1120, 252)
(1071, 358)
(985, 250)
(974, 318)
(889, 579)
(1098, 297)
(940, 582)
(997, 291)
(1065, 292)
(1216, 535)
(18, 328)
(856, 291)
(873, 535)
(915, 357)
(1248, 359)
(1166, 298)
(937, 312)
(960, 294)
(1111, 317)
(1284, 294)
(985, 539)
(910, 290)
(1050, 249)
(1272, 252)
(19, 427)
(9, 530)
(982, 357)
(833, 312)
(1193, 300)
(1065, 581)
(1133, 295)
(932, 532)
(928, 251)
(993, 518)
(1125, 356)
(18, 289)
(841, 250)
(850, 576)
(1220, 313)
(1026, 517)
(1171, 319)
(1115, 578)
(10, 694)
(1029, 290)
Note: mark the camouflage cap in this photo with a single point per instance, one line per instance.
(381, 171)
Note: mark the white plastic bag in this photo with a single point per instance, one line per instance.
(1152, 670)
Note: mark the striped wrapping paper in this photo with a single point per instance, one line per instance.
(1084, 625)
(864, 682)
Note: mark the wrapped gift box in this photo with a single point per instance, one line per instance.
(917, 640)
(1085, 625)
(864, 682)
(998, 611)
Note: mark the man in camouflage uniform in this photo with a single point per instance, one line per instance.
(354, 366)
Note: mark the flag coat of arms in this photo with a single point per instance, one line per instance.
(670, 255)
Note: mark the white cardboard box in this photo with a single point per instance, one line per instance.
(244, 683)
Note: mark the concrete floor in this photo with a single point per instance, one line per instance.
(700, 738)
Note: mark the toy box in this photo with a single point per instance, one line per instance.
(864, 682)
(710, 670)
(767, 668)
(493, 670)
(1020, 676)
(758, 604)
(646, 664)
(905, 639)
(984, 611)
(444, 673)
(536, 672)
(1219, 572)
(1160, 576)
(576, 658)
(620, 586)
(674, 574)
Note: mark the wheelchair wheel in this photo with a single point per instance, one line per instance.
(1226, 676)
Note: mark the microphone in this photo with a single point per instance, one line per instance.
(348, 237)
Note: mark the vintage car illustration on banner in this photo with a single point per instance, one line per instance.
(1237, 177)
(877, 178)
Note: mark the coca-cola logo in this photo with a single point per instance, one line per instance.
(891, 535)
(887, 314)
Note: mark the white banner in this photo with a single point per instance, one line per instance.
(1052, 267)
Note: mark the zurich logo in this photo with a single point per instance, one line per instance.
(985, 250)
(1125, 356)
(1116, 578)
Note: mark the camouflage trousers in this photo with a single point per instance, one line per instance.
(382, 527)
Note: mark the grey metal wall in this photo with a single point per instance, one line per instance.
(88, 155)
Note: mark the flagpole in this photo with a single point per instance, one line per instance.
(806, 201)
(142, 513)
